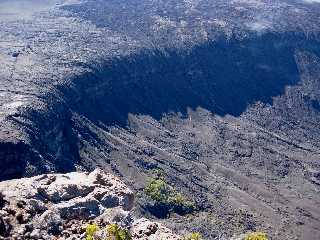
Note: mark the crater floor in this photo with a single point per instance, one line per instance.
(222, 97)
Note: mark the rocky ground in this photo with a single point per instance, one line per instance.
(221, 97)
(60, 206)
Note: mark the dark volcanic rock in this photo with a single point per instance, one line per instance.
(221, 97)
(4, 228)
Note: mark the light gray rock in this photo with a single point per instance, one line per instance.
(116, 215)
(35, 234)
(50, 221)
(81, 208)
(144, 229)
(34, 205)
(48, 201)
(62, 205)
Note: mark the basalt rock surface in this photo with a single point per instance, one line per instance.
(60, 206)
(222, 97)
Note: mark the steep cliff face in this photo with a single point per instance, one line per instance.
(222, 97)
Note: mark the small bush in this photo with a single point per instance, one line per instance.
(256, 236)
(180, 203)
(158, 190)
(166, 196)
(90, 231)
(117, 233)
(193, 236)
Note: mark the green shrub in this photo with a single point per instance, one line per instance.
(90, 231)
(117, 233)
(163, 194)
(158, 190)
(181, 202)
(256, 236)
(193, 236)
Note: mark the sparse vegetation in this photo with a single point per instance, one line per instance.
(91, 230)
(115, 232)
(256, 236)
(165, 195)
(158, 190)
(181, 201)
(193, 236)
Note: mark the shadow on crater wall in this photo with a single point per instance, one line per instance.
(223, 77)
